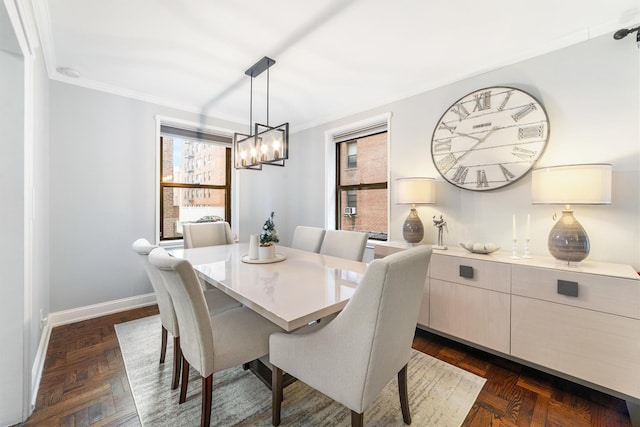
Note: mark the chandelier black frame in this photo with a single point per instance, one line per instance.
(268, 145)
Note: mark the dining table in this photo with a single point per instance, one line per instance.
(292, 290)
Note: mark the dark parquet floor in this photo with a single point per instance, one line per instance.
(84, 383)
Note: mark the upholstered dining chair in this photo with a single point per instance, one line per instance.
(355, 356)
(217, 302)
(209, 343)
(206, 234)
(344, 244)
(307, 238)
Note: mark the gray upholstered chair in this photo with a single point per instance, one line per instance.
(209, 343)
(217, 302)
(307, 238)
(206, 234)
(355, 356)
(344, 244)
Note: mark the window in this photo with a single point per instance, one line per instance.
(185, 195)
(361, 182)
(352, 155)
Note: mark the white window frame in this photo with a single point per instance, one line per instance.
(330, 164)
(172, 121)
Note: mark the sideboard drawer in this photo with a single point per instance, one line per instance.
(477, 315)
(490, 275)
(601, 293)
(597, 347)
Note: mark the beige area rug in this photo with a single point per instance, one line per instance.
(439, 394)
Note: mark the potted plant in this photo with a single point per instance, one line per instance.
(268, 239)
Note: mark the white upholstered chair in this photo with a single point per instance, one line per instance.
(206, 234)
(355, 356)
(217, 302)
(307, 238)
(344, 244)
(209, 343)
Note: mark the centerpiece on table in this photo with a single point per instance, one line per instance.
(268, 239)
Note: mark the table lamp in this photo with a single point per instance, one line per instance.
(586, 184)
(413, 191)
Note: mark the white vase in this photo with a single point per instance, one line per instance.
(267, 252)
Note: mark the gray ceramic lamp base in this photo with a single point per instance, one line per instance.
(412, 229)
(568, 241)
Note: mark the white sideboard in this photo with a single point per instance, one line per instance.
(579, 323)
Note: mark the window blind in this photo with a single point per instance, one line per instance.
(361, 132)
(195, 135)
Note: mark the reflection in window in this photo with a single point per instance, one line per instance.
(362, 195)
(193, 189)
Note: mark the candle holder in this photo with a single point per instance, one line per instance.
(514, 250)
(526, 249)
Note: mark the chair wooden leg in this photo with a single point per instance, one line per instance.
(404, 395)
(163, 346)
(276, 394)
(207, 389)
(185, 381)
(357, 420)
(177, 363)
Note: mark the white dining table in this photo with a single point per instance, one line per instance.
(301, 288)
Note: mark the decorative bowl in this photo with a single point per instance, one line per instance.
(473, 249)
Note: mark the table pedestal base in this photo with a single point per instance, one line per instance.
(261, 368)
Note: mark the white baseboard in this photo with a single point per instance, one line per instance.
(92, 311)
(38, 365)
(75, 315)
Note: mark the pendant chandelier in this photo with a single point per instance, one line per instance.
(268, 145)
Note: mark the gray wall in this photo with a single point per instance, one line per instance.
(591, 94)
(12, 217)
(102, 193)
(102, 170)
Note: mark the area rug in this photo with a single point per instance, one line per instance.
(439, 394)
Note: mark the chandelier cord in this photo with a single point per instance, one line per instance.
(250, 103)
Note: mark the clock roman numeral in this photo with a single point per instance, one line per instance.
(481, 179)
(504, 101)
(507, 173)
(443, 125)
(461, 174)
(535, 131)
(483, 101)
(523, 112)
(460, 111)
(446, 163)
(523, 153)
(443, 145)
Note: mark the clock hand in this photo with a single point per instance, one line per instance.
(480, 141)
(468, 136)
(446, 163)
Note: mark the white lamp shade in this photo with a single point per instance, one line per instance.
(415, 190)
(588, 184)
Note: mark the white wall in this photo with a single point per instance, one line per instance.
(40, 218)
(12, 216)
(590, 92)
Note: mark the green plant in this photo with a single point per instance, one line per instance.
(269, 234)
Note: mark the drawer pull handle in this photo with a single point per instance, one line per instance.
(466, 271)
(568, 288)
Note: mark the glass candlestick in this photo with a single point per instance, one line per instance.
(526, 249)
(514, 250)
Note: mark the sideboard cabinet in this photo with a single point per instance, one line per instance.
(580, 323)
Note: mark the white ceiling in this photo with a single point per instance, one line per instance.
(333, 58)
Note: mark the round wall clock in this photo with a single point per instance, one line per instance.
(489, 138)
